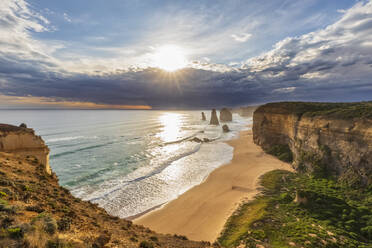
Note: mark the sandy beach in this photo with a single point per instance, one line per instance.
(201, 212)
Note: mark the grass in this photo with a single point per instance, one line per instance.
(335, 215)
(239, 224)
(331, 110)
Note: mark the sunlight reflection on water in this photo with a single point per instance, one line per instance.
(172, 123)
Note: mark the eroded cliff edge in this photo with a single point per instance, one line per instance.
(323, 138)
(23, 142)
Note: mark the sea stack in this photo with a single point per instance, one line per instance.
(203, 117)
(225, 115)
(225, 128)
(214, 119)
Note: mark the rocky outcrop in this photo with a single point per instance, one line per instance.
(203, 117)
(324, 138)
(214, 119)
(23, 142)
(225, 128)
(225, 115)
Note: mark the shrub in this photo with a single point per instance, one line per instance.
(64, 223)
(282, 152)
(15, 232)
(57, 243)
(285, 197)
(154, 238)
(146, 244)
(49, 224)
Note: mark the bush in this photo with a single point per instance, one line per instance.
(154, 238)
(58, 243)
(15, 232)
(49, 224)
(146, 244)
(64, 223)
(285, 197)
(282, 152)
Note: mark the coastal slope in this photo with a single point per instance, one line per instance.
(201, 212)
(36, 212)
(326, 201)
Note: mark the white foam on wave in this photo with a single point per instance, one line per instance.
(162, 158)
(64, 139)
(167, 185)
(173, 168)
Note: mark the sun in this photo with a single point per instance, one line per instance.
(169, 58)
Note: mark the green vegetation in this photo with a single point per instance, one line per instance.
(15, 232)
(331, 110)
(282, 152)
(302, 211)
(146, 244)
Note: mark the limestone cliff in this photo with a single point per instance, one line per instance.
(324, 138)
(23, 142)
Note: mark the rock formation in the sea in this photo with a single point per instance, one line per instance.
(37, 212)
(225, 115)
(203, 116)
(324, 138)
(196, 139)
(225, 128)
(23, 142)
(214, 119)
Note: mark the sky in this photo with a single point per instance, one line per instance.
(183, 54)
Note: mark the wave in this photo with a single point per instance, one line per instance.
(157, 170)
(80, 149)
(64, 139)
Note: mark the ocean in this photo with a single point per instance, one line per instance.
(129, 161)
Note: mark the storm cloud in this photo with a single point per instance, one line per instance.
(330, 64)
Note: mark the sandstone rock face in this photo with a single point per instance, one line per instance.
(23, 142)
(203, 116)
(214, 119)
(225, 128)
(341, 147)
(225, 115)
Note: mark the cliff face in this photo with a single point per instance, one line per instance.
(23, 142)
(323, 138)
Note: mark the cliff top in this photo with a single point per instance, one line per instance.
(311, 109)
(5, 128)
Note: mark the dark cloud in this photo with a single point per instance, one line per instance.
(331, 64)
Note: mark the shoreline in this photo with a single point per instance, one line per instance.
(201, 212)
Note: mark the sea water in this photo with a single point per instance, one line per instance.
(129, 161)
